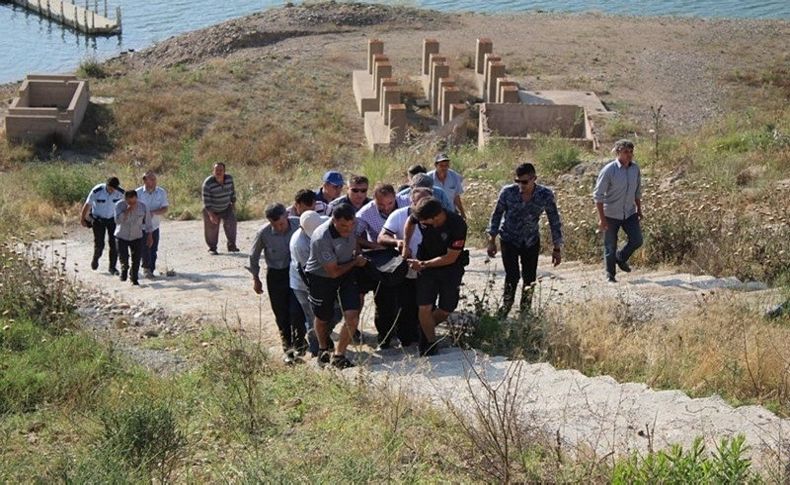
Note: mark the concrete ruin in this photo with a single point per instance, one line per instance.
(520, 124)
(47, 108)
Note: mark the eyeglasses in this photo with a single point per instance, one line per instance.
(358, 191)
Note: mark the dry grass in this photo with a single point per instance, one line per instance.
(721, 347)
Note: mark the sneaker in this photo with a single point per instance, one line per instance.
(428, 349)
(124, 274)
(623, 265)
(94, 264)
(233, 249)
(289, 357)
(610, 278)
(213, 252)
(114, 271)
(341, 362)
(324, 357)
(357, 337)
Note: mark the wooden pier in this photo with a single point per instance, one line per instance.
(81, 18)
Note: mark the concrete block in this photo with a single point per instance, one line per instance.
(500, 83)
(481, 80)
(509, 94)
(426, 80)
(389, 82)
(457, 110)
(439, 71)
(364, 92)
(375, 46)
(518, 124)
(451, 96)
(484, 46)
(444, 82)
(429, 46)
(496, 69)
(382, 70)
(389, 95)
(397, 124)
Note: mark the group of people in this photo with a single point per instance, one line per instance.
(406, 245)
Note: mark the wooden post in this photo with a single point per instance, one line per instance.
(76, 19)
(93, 21)
(96, 6)
(105, 9)
(85, 21)
(118, 16)
(49, 10)
(62, 17)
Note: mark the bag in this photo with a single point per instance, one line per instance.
(385, 266)
(463, 259)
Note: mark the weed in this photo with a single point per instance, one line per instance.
(64, 185)
(556, 155)
(91, 67)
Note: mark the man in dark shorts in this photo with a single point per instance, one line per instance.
(330, 273)
(440, 262)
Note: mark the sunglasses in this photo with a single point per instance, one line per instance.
(357, 191)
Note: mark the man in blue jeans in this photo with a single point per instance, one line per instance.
(618, 198)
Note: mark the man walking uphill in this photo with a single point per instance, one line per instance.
(618, 198)
(219, 199)
(155, 199)
(98, 213)
(132, 225)
(515, 219)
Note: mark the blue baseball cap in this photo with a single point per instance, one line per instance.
(334, 177)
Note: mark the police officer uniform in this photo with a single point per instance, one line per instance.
(102, 204)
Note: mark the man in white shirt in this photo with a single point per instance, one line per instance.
(155, 199)
(98, 213)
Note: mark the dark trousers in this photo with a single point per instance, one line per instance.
(408, 318)
(512, 255)
(136, 248)
(290, 325)
(149, 254)
(634, 233)
(100, 228)
(386, 300)
(211, 230)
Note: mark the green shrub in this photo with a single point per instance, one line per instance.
(619, 127)
(91, 67)
(63, 185)
(556, 155)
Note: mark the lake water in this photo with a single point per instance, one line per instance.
(29, 43)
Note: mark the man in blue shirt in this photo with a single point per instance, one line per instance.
(515, 219)
(618, 198)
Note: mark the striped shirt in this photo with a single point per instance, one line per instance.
(370, 220)
(217, 197)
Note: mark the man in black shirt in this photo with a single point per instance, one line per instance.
(440, 266)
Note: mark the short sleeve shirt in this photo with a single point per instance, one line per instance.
(396, 222)
(102, 202)
(436, 241)
(154, 201)
(300, 252)
(453, 185)
(328, 246)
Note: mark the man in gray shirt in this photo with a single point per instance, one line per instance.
(618, 198)
(273, 240)
(330, 275)
(132, 221)
(219, 200)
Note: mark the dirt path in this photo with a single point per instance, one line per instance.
(598, 413)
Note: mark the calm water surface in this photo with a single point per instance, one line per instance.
(31, 44)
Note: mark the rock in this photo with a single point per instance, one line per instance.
(151, 333)
(138, 315)
(123, 306)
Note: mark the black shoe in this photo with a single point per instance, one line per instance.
(114, 271)
(94, 264)
(124, 274)
(135, 283)
(213, 252)
(301, 347)
(623, 265)
(341, 362)
(610, 278)
(324, 357)
(233, 249)
(357, 337)
(428, 349)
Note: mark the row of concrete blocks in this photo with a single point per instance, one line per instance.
(443, 95)
(492, 81)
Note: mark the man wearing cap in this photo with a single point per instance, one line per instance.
(300, 253)
(392, 235)
(273, 239)
(219, 200)
(448, 179)
(516, 219)
(440, 264)
(356, 197)
(98, 213)
(303, 201)
(155, 199)
(329, 191)
(330, 273)
(422, 179)
(132, 227)
(618, 199)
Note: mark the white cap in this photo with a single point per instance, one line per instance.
(310, 220)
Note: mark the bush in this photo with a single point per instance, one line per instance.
(91, 67)
(556, 155)
(63, 185)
